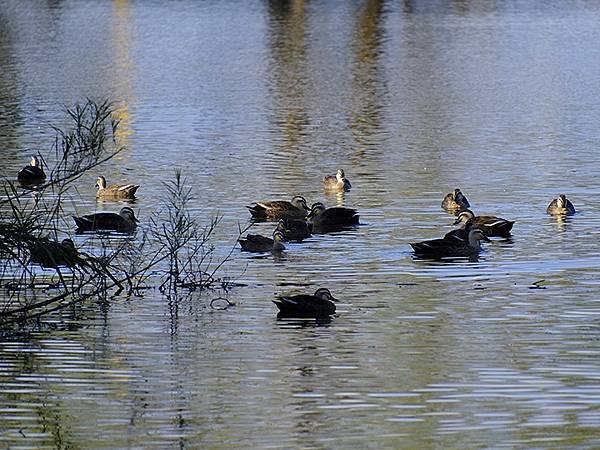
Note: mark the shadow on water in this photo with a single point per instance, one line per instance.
(284, 321)
(446, 259)
(108, 202)
(332, 229)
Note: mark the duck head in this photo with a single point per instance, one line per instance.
(475, 236)
(323, 293)
(278, 240)
(561, 201)
(35, 161)
(340, 175)
(464, 217)
(278, 236)
(68, 243)
(101, 182)
(281, 226)
(300, 202)
(316, 209)
(128, 214)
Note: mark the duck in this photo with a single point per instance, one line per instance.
(320, 304)
(294, 229)
(455, 201)
(123, 191)
(448, 247)
(256, 243)
(490, 225)
(52, 254)
(324, 219)
(33, 173)
(124, 222)
(337, 182)
(561, 206)
(279, 209)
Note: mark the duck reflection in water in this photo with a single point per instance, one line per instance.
(303, 322)
(340, 197)
(562, 222)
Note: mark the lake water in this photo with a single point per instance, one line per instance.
(258, 100)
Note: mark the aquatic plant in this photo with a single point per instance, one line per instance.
(32, 220)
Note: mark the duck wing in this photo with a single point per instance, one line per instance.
(458, 235)
(31, 173)
(438, 248)
(304, 305)
(102, 221)
(256, 243)
(294, 229)
(463, 202)
(570, 207)
(52, 254)
(432, 246)
(339, 214)
(492, 226)
(126, 189)
(259, 240)
(274, 209)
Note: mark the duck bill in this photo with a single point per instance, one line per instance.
(457, 222)
(485, 238)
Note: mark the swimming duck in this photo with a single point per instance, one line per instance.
(115, 190)
(318, 305)
(323, 219)
(337, 182)
(490, 225)
(124, 222)
(52, 254)
(33, 173)
(294, 229)
(455, 201)
(561, 206)
(256, 243)
(438, 248)
(279, 209)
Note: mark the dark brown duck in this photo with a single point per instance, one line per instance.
(321, 304)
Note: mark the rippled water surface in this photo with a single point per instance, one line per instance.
(258, 100)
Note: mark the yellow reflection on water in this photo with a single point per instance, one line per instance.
(124, 68)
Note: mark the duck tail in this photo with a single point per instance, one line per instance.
(280, 304)
(79, 222)
(256, 211)
(506, 227)
(419, 248)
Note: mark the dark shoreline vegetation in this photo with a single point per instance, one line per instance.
(170, 252)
